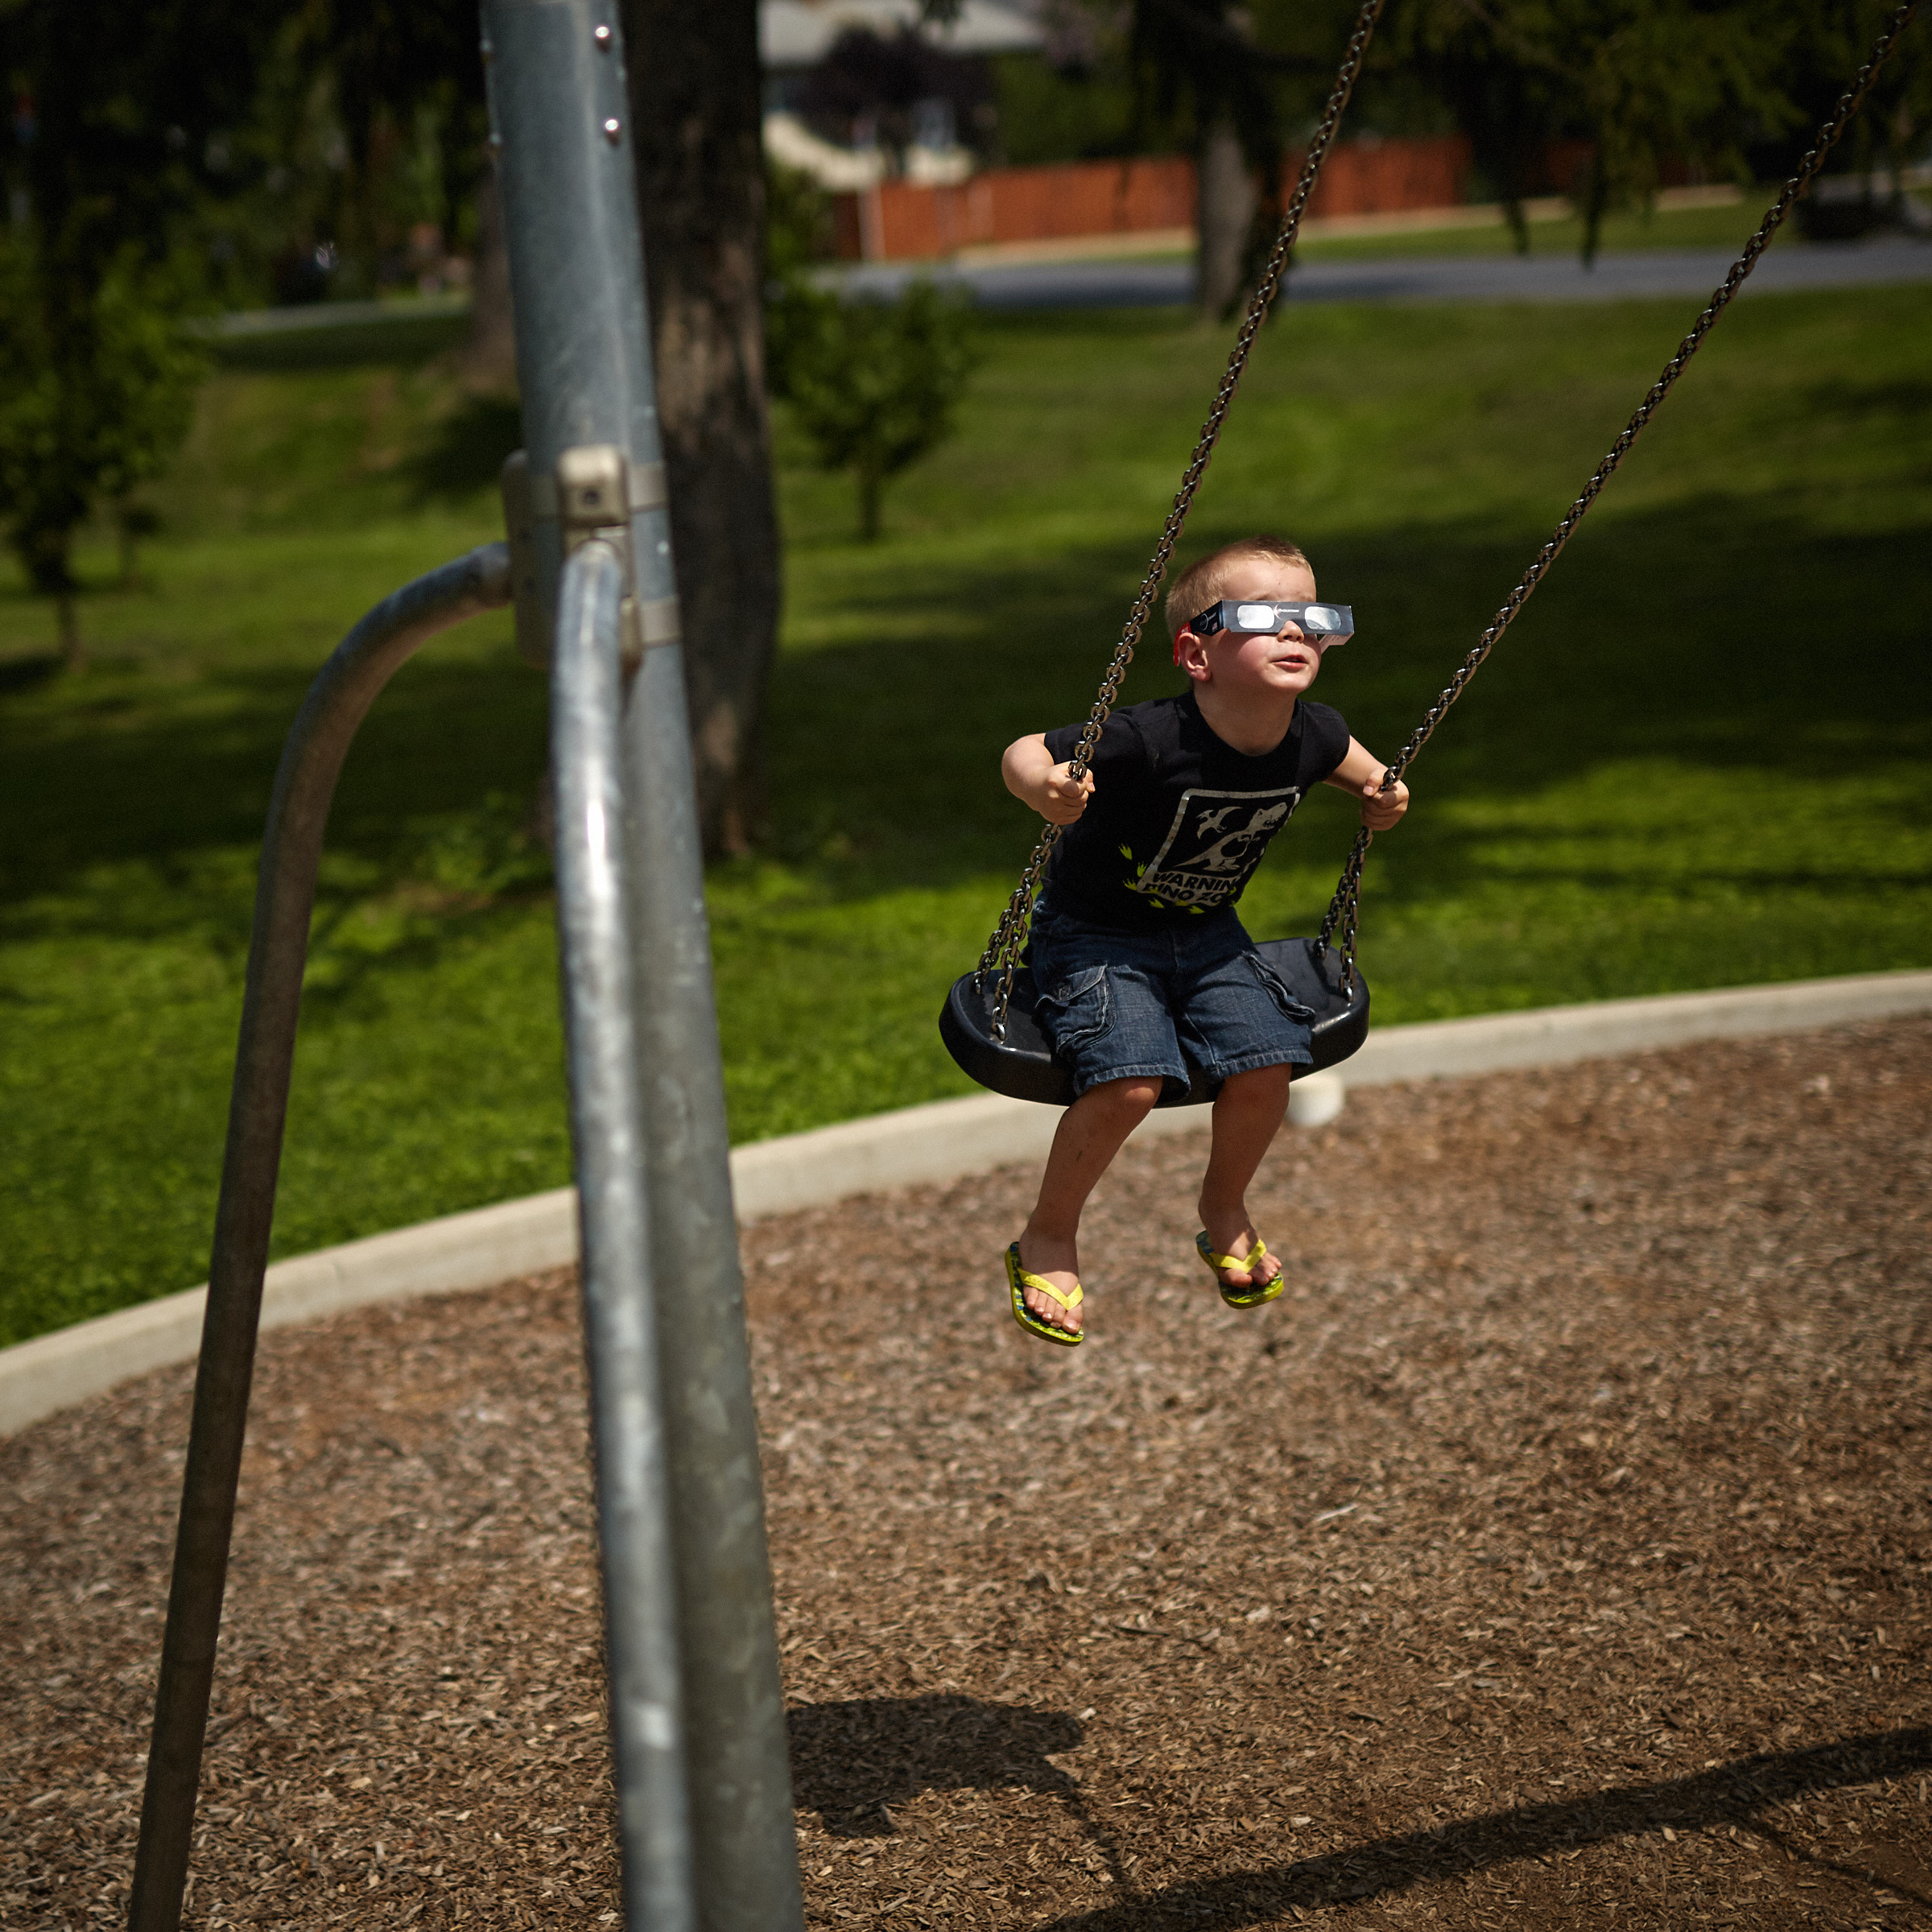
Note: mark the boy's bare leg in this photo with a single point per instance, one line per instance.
(1090, 1134)
(1247, 1113)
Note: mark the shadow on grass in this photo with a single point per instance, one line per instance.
(1703, 657)
(152, 827)
(1845, 400)
(403, 340)
(27, 673)
(466, 452)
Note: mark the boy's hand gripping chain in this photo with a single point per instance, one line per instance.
(1009, 939)
(1344, 907)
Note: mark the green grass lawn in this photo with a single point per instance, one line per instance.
(1699, 759)
(1727, 225)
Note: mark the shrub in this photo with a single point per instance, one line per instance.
(96, 390)
(872, 383)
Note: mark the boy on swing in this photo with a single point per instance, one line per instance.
(1137, 951)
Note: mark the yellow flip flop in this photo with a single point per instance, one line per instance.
(1250, 1294)
(1017, 1279)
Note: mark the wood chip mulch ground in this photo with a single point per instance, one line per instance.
(1554, 1553)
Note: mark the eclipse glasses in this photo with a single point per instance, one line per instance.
(1320, 623)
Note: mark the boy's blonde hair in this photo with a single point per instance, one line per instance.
(1200, 584)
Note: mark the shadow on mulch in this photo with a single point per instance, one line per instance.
(1733, 1794)
(851, 1762)
(1555, 1553)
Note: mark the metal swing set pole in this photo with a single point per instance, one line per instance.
(703, 1768)
(697, 1715)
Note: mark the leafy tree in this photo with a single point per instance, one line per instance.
(1232, 83)
(110, 167)
(799, 225)
(873, 384)
(1830, 40)
(1202, 64)
(1632, 84)
(879, 82)
(1638, 81)
(94, 409)
(799, 235)
(1076, 104)
(374, 120)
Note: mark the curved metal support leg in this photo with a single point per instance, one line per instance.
(292, 850)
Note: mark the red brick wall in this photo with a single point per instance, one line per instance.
(897, 221)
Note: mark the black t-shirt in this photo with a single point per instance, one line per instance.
(1179, 819)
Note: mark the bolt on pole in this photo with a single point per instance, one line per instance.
(590, 487)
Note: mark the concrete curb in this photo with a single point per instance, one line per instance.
(1552, 1036)
(939, 1141)
(473, 1250)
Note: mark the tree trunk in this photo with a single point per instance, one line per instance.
(489, 358)
(73, 652)
(695, 104)
(45, 550)
(1225, 203)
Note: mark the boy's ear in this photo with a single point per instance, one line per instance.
(1191, 654)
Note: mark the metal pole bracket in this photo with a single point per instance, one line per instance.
(592, 492)
(596, 492)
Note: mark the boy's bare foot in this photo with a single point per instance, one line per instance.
(1058, 1262)
(1230, 1231)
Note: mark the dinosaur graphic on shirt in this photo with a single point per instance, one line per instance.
(1226, 854)
(1209, 855)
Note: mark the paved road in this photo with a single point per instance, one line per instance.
(1439, 278)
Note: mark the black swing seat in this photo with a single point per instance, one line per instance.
(1025, 1069)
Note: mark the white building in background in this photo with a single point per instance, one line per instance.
(796, 34)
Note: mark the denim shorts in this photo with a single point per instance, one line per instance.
(1121, 1005)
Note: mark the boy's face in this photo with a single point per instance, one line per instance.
(1243, 667)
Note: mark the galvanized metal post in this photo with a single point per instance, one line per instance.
(633, 1512)
(559, 121)
(741, 1770)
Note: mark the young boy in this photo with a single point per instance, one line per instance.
(1137, 951)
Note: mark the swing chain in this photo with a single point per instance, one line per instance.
(1009, 940)
(1342, 908)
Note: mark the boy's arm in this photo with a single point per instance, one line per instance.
(1032, 777)
(1360, 774)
